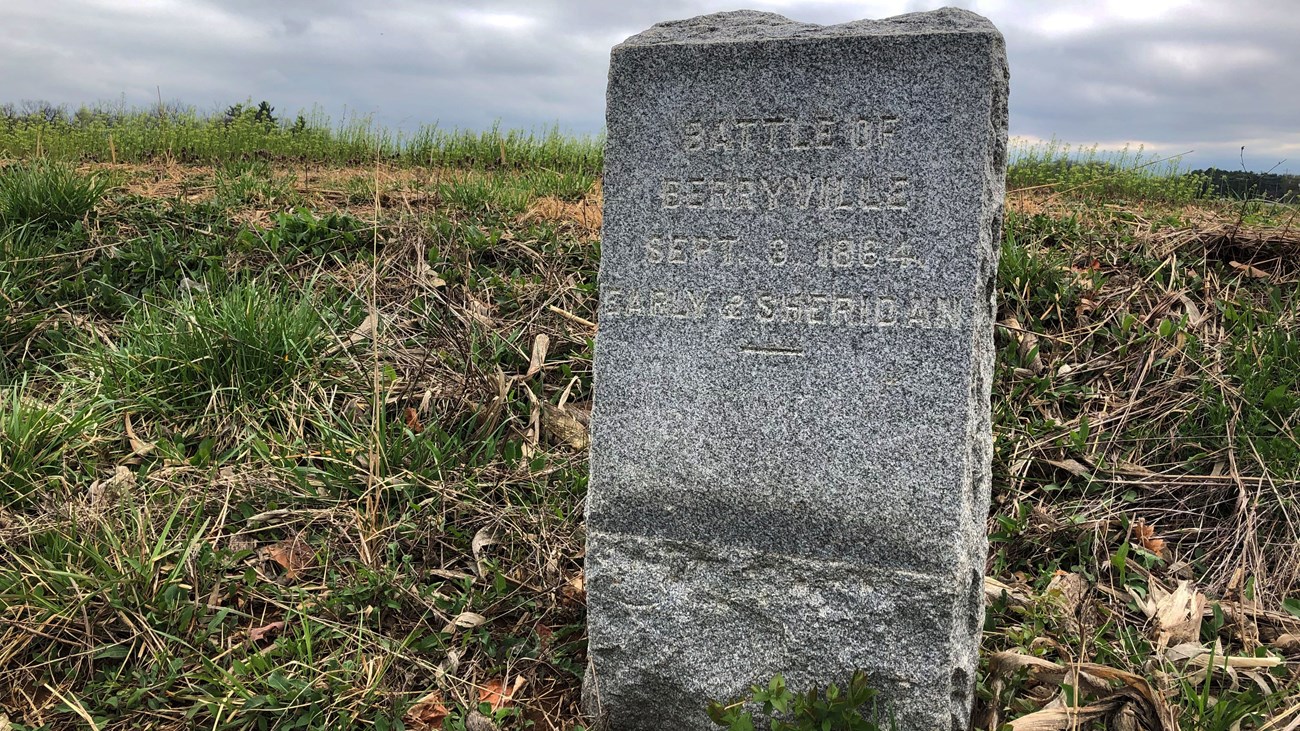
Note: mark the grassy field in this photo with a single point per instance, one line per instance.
(295, 437)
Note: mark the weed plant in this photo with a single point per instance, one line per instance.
(225, 503)
(47, 195)
(1099, 175)
(819, 709)
(114, 134)
(41, 441)
(204, 352)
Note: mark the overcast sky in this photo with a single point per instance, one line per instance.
(1173, 75)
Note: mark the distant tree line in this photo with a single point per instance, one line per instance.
(1241, 184)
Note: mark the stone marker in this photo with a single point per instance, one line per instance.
(791, 439)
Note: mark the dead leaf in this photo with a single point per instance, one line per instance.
(1287, 644)
(1073, 466)
(104, 492)
(449, 574)
(1176, 615)
(545, 635)
(1058, 719)
(257, 634)
(139, 447)
(1125, 719)
(540, 345)
(995, 590)
(449, 665)
(411, 418)
(1068, 592)
(533, 432)
(566, 425)
(1129, 468)
(482, 539)
(364, 331)
(1096, 686)
(1027, 345)
(1087, 305)
(1194, 317)
(574, 591)
(497, 694)
(1249, 270)
(1198, 660)
(480, 311)
(294, 556)
(1146, 535)
(428, 713)
(464, 620)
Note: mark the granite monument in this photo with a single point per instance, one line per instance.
(791, 439)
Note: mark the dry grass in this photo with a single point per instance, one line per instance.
(409, 507)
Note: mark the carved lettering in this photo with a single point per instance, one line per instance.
(886, 311)
(734, 135)
(777, 253)
(912, 311)
(670, 194)
(734, 309)
(657, 303)
(744, 195)
(838, 254)
(611, 301)
(682, 249)
(873, 132)
(696, 193)
(804, 192)
(677, 250)
(848, 253)
(694, 135)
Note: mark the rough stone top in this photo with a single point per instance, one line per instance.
(740, 26)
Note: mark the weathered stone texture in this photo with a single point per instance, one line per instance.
(791, 440)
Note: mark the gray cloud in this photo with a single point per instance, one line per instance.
(1174, 75)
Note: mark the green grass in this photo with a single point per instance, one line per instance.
(208, 353)
(107, 134)
(225, 503)
(47, 195)
(1125, 175)
(44, 209)
(46, 441)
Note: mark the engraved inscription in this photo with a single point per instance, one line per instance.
(709, 251)
(680, 249)
(778, 253)
(778, 350)
(803, 192)
(773, 134)
(865, 253)
(678, 305)
(833, 309)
